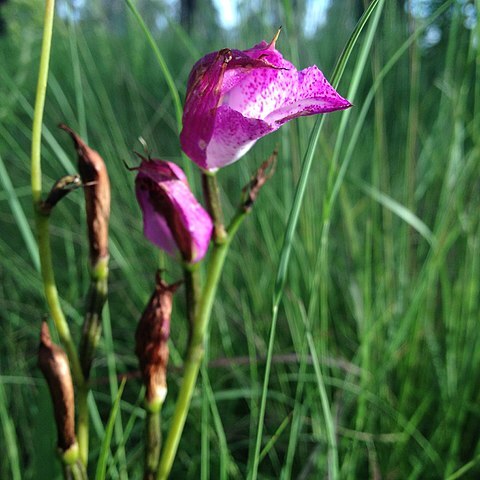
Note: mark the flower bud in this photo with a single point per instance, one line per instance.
(151, 339)
(53, 363)
(93, 173)
(172, 217)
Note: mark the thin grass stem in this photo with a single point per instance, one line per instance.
(291, 228)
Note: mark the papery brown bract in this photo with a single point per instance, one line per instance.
(94, 176)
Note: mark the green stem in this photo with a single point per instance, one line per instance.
(92, 326)
(73, 468)
(211, 192)
(191, 276)
(195, 348)
(153, 442)
(90, 336)
(74, 472)
(51, 295)
(40, 100)
(83, 422)
(41, 220)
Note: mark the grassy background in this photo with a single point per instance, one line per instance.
(383, 282)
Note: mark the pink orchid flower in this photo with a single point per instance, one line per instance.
(236, 97)
(172, 217)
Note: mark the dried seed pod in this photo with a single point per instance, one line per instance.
(53, 363)
(151, 338)
(93, 173)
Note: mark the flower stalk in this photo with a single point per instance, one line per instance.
(191, 276)
(211, 192)
(41, 218)
(151, 348)
(97, 295)
(36, 167)
(73, 471)
(195, 350)
(153, 442)
(193, 358)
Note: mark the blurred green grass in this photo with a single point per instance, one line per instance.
(383, 278)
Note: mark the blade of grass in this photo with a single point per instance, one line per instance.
(161, 62)
(19, 215)
(100, 473)
(273, 440)
(168, 78)
(114, 390)
(289, 234)
(308, 159)
(398, 209)
(77, 77)
(9, 434)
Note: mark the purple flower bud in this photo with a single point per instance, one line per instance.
(172, 217)
(236, 97)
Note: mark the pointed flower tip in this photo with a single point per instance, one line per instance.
(271, 45)
(143, 158)
(45, 338)
(343, 103)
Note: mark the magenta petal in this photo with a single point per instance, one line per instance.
(203, 97)
(155, 227)
(233, 136)
(269, 53)
(263, 91)
(312, 95)
(235, 97)
(195, 219)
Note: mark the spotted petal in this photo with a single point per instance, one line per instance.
(236, 97)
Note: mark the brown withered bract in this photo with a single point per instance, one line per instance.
(93, 173)
(53, 363)
(262, 175)
(151, 338)
(62, 187)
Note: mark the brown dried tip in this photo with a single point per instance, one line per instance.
(93, 173)
(151, 338)
(53, 363)
(262, 175)
(62, 187)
